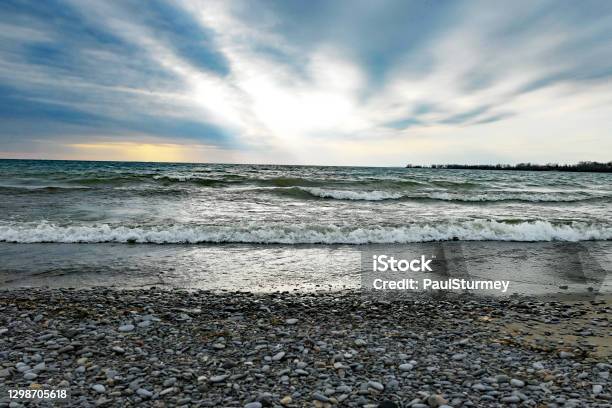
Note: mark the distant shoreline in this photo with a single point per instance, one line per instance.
(582, 167)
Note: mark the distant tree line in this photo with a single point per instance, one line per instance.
(584, 166)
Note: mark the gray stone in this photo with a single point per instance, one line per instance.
(376, 385)
(278, 356)
(99, 388)
(144, 393)
(517, 383)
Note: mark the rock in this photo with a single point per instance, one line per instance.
(502, 378)
(126, 328)
(376, 385)
(511, 399)
(99, 388)
(566, 354)
(218, 378)
(291, 322)
(5, 373)
(144, 393)
(278, 356)
(286, 400)
(538, 365)
(118, 350)
(479, 387)
(320, 397)
(597, 389)
(253, 405)
(30, 375)
(360, 342)
(344, 389)
(436, 400)
(517, 383)
(170, 382)
(459, 356)
(406, 367)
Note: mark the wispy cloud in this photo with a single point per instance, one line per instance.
(286, 81)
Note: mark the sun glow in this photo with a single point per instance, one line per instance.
(130, 151)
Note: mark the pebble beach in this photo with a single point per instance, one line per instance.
(165, 348)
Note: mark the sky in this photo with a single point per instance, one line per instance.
(381, 83)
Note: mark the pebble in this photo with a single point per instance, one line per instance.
(278, 356)
(376, 385)
(99, 388)
(253, 405)
(291, 322)
(126, 328)
(144, 393)
(436, 400)
(320, 397)
(340, 344)
(511, 399)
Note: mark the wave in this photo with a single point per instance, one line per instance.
(377, 195)
(350, 194)
(476, 230)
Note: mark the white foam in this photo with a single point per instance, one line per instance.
(350, 194)
(478, 230)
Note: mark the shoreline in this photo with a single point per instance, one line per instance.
(160, 347)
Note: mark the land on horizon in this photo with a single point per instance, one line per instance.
(584, 166)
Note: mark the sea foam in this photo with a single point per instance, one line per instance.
(477, 230)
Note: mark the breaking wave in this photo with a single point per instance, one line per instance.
(477, 230)
(350, 194)
(377, 195)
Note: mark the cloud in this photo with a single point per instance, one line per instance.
(282, 80)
